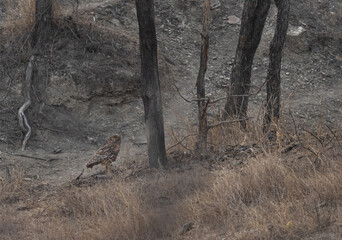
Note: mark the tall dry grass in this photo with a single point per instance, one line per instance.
(268, 200)
(147, 208)
(294, 194)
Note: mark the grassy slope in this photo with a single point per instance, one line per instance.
(282, 193)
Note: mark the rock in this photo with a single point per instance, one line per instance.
(338, 58)
(234, 20)
(57, 150)
(90, 139)
(186, 228)
(295, 31)
(215, 4)
(296, 39)
(139, 140)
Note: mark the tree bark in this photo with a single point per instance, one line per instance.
(43, 22)
(253, 20)
(273, 75)
(150, 85)
(201, 145)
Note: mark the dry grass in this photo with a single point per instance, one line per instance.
(273, 195)
(13, 188)
(20, 17)
(147, 209)
(268, 200)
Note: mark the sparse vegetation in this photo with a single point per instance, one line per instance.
(248, 185)
(269, 195)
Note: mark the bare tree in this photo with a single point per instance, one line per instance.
(252, 24)
(150, 85)
(273, 75)
(202, 103)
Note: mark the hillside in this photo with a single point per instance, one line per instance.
(84, 90)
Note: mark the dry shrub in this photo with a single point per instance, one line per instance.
(110, 211)
(151, 208)
(268, 200)
(10, 225)
(13, 188)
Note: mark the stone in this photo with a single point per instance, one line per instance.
(295, 31)
(215, 4)
(234, 20)
(338, 58)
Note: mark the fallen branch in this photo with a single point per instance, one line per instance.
(229, 121)
(333, 134)
(212, 101)
(23, 123)
(79, 176)
(33, 157)
(179, 142)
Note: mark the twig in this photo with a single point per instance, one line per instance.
(33, 157)
(8, 174)
(298, 138)
(23, 123)
(229, 121)
(78, 178)
(204, 112)
(312, 134)
(179, 142)
(201, 99)
(9, 85)
(295, 126)
(185, 99)
(333, 134)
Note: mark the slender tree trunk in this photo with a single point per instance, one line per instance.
(253, 21)
(149, 84)
(202, 105)
(42, 28)
(273, 75)
(43, 22)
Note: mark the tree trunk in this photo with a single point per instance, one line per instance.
(149, 84)
(43, 22)
(273, 75)
(201, 145)
(253, 21)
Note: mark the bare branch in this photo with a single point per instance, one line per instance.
(316, 137)
(79, 176)
(298, 138)
(8, 85)
(333, 134)
(185, 99)
(229, 121)
(32, 157)
(179, 142)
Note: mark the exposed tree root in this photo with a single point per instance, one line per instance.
(23, 123)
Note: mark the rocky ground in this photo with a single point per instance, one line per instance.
(84, 88)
